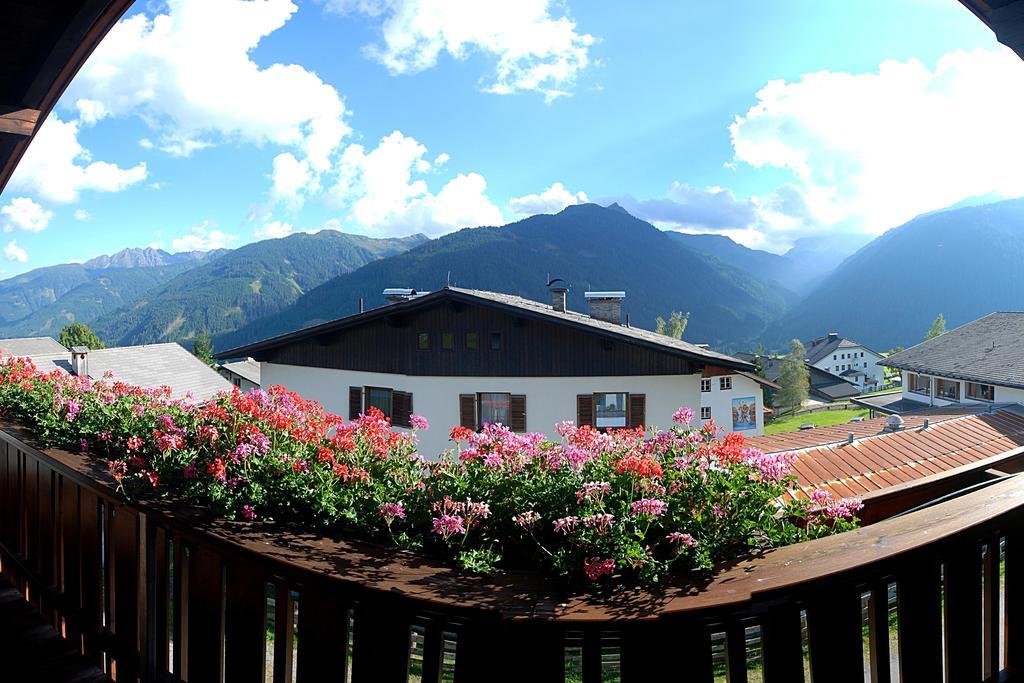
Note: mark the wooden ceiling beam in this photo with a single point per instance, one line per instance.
(18, 120)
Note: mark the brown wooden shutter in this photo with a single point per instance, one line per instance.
(517, 412)
(355, 402)
(637, 410)
(467, 410)
(584, 409)
(401, 408)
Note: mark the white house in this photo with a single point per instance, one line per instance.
(469, 357)
(244, 374)
(981, 362)
(846, 358)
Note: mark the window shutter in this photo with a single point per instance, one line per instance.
(467, 410)
(584, 409)
(517, 413)
(401, 409)
(355, 402)
(637, 410)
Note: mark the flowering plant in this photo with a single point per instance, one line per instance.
(626, 504)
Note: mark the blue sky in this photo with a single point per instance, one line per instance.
(207, 123)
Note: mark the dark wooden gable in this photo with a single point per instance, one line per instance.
(528, 347)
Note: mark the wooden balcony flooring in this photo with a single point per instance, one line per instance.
(30, 649)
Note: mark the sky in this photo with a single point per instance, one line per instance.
(202, 124)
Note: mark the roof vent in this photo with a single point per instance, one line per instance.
(893, 423)
(395, 295)
(606, 306)
(850, 437)
(559, 292)
(80, 361)
(832, 336)
(926, 424)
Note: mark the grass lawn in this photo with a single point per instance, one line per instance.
(824, 418)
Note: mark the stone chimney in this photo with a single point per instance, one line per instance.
(558, 296)
(606, 306)
(80, 361)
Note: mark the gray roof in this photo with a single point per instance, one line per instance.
(820, 347)
(150, 366)
(28, 346)
(823, 384)
(246, 369)
(989, 350)
(522, 306)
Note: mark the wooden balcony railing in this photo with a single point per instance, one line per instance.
(161, 593)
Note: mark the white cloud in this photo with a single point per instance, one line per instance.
(381, 195)
(189, 74)
(274, 229)
(12, 252)
(535, 50)
(202, 238)
(90, 111)
(82, 215)
(551, 200)
(21, 213)
(441, 159)
(57, 168)
(293, 178)
(870, 151)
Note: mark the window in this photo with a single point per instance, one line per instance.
(472, 341)
(705, 385)
(834, 357)
(494, 408)
(423, 341)
(948, 389)
(705, 412)
(447, 341)
(610, 411)
(980, 392)
(725, 383)
(495, 341)
(380, 398)
(861, 354)
(919, 384)
(865, 365)
(237, 382)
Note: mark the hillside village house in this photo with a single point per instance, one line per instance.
(846, 358)
(468, 357)
(823, 386)
(244, 374)
(977, 363)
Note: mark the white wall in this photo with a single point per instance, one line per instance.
(549, 400)
(873, 370)
(1002, 394)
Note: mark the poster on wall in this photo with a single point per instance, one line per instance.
(744, 414)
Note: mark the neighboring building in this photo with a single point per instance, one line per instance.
(894, 464)
(853, 362)
(466, 357)
(981, 362)
(824, 386)
(244, 374)
(30, 346)
(151, 366)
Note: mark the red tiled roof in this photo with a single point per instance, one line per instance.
(877, 460)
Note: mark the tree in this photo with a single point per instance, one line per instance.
(938, 327)
(794, 377)
(675, 326)
(202, 348)
(766, 391)
(79, 334)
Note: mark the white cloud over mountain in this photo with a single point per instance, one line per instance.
(202, 237)
(57, 168)
(21, 213)
(535, 50)
(552, 200)
(14, 253)
(381, 192)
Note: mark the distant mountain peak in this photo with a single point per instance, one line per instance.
(615, 206)
(148, 257)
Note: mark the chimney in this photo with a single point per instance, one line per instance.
(80, 361)
(558, 295)
(832, 336)
(606, 306)
(395, 295)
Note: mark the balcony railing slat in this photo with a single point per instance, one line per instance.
(204, 625)
(245, 623)
(835, 637)
(736, 652)
(30, 548)
(381, 648)
(125, 589)
(963, 612)
(90, 616)
(323, 645)
(1014, 588)
(8, 495)
(157, 603)
(71, 558)
(47, 544)
(920, 622)
(991, 606)
(783, 645)
(878, 626)
(432, 652)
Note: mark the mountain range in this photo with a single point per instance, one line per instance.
(589, 246)
(962, 262)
